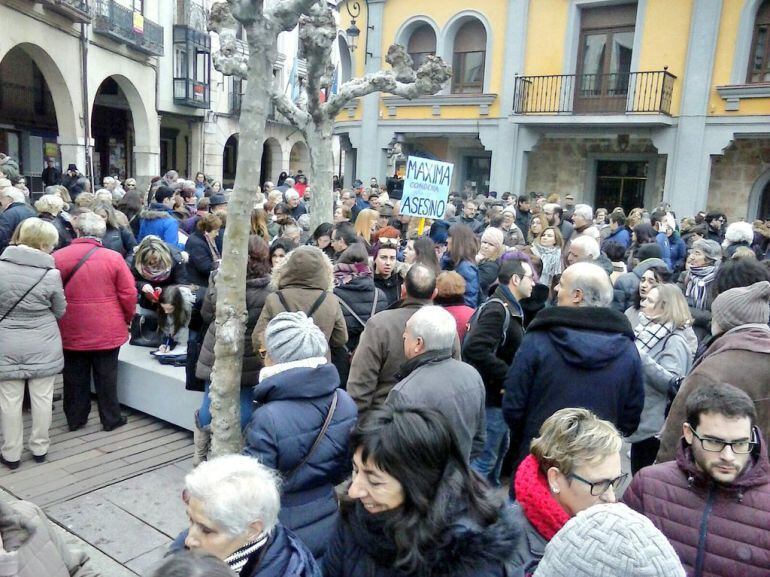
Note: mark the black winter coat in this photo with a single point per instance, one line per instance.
(390, 286)
(178, 275)
(359, 547)
(359, 295)
(120, 240)
(10, 219)
(481, 347)
(63, 227)
(291, 408)
(573, 357)
(201, 261)
(257, 290)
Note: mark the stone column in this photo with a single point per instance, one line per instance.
(146, 165)
(73, 151)
(689, 166)
(371, 159)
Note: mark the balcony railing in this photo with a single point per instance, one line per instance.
(76, 10)
(236, 97)
(124, 25)
(621, 93)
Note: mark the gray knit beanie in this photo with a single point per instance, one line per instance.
(742, 305)
(710, 248)
(294, 337)
(609, 540)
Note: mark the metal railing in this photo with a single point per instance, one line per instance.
(118, 22)
(236, 97)
(625, 93)
(77, 10)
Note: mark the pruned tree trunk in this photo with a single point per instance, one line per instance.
(315, 118)
(262, 31)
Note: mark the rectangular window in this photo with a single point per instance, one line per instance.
(468, 72)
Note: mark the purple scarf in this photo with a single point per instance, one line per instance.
(344, 273)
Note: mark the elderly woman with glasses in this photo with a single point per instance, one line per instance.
(573, 465)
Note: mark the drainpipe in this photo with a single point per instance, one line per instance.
(86, 110)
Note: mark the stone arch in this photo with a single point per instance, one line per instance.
(757, 197)
(445, 43)
(345, 59)
(272, 160)
(146, 133)
(743, 41)
(230, 160)
(409, 26)
(299, 158)
(65, 109)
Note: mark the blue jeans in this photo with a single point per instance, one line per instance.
(204, 413)
(490, 463)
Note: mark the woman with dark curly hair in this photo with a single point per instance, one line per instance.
(414, 507)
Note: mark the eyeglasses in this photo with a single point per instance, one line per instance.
(389, 242)
(718, 445)
(599, 488)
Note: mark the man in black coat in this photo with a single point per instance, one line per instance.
(578, 354)
(15, 209)
(489, 346)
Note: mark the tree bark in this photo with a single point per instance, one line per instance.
(319, 142)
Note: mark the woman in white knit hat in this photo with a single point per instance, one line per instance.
(300, 426)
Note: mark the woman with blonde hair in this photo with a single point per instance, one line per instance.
(259, 224)
(666, 343)
(366, 224)
(573, 465)
(491, 248)
(118, 237)
(548, 247)
(30, 340)
(50, 208)
(155, 265)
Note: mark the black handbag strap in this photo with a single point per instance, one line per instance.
(81, 262)
(318, 439)
(314, 307)
(29, 290)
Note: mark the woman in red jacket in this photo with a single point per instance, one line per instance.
(101, 300)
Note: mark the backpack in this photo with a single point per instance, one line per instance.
(473, 321)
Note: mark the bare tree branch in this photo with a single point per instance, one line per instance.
(400, 80)
(285, 13)
(230, 59)
(295, 115)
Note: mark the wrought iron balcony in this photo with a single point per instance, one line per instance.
(125, 25)
(76, 10)
(621, 93)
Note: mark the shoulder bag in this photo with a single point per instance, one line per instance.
(318, 439)
(29, 290)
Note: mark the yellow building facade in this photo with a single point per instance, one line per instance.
(620, 102)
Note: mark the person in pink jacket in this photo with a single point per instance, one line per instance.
(101, 299)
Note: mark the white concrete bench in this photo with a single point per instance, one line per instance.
(158, 390)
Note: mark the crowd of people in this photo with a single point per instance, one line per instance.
(394, 379)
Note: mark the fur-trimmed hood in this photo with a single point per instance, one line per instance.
(155, 211)
(15, 528)
(305, 267)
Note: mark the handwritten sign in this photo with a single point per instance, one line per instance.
(426, 187)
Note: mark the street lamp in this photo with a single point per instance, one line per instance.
(353, 32)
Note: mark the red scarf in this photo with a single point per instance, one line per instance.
(540, 508)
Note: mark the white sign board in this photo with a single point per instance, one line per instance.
(426, 188)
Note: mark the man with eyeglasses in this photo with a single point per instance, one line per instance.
(713, 502)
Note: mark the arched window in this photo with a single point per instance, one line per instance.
(469, 58)
(759, 64)
(422, 43)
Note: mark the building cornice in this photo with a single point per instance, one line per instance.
(734, 93)
(483, 101)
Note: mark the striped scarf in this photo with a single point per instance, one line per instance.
(237, 560)
(699, 278)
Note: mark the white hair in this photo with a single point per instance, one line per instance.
(550, 206)
(587, 246)
(509, 210)
(292, 194)
(289, 181)
(584, 211)
(593, 282)
(739, 232)
(435, 326)
(91, 224)
(14, 194)
(50, 203)
(235, 491)
(108, 180)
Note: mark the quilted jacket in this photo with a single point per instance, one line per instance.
(717, 530)
(30, 343)
(291, 408)
(34, 548)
